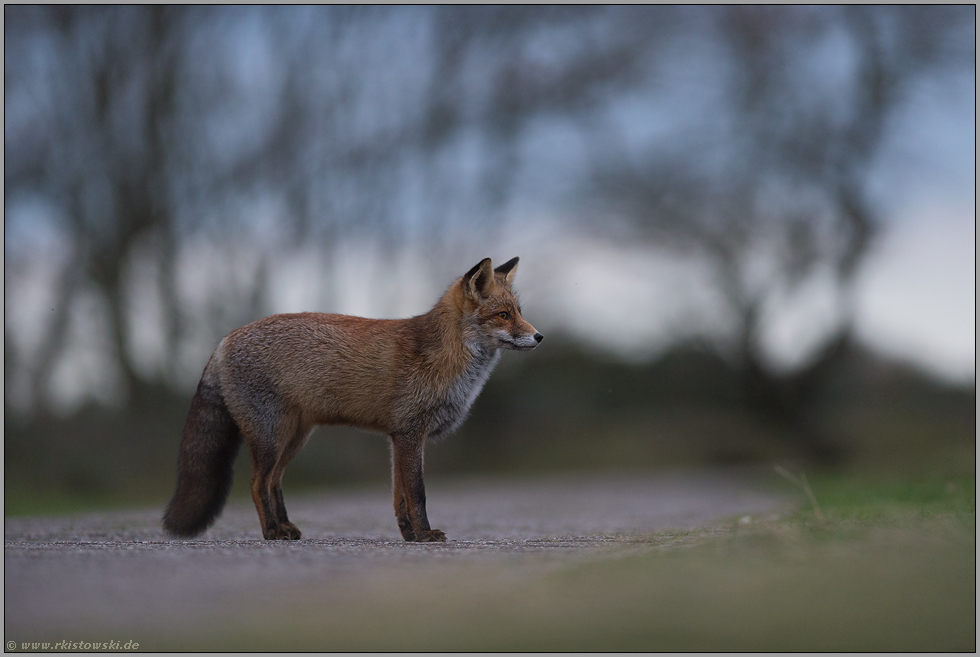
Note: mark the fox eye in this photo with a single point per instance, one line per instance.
(503, 314)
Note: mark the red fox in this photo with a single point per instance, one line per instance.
(271, 382)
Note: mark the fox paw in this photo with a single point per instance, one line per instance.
(405, 527)
(287, 531)
(431, 536)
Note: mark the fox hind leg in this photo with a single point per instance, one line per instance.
(401, 513)
(285, 529)
(262, 464)
(286, 455)
(270, 454)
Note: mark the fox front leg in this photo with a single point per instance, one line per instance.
(409, 490)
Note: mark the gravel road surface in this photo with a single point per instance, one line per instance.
(117, 575)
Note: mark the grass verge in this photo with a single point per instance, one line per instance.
(891, 568)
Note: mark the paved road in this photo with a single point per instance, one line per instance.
(118, 575)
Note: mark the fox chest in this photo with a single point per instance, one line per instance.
(447, 413)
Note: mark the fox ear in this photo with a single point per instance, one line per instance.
(508, 269)
(478, 281)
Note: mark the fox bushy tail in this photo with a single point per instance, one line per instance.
(204, 466)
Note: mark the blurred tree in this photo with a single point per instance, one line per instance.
(147, 127)
(149, 130)
(772, 187)
(97, 150)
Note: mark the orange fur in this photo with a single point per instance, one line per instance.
(278, 378)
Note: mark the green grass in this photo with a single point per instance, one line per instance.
(774, 588)
(22, 499)
(878, 498)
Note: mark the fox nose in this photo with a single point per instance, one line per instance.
(538, 337)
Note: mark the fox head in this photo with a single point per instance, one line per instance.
(492, 310)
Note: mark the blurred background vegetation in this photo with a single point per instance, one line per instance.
(696, 194)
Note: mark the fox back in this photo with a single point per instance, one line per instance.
(412, 379)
